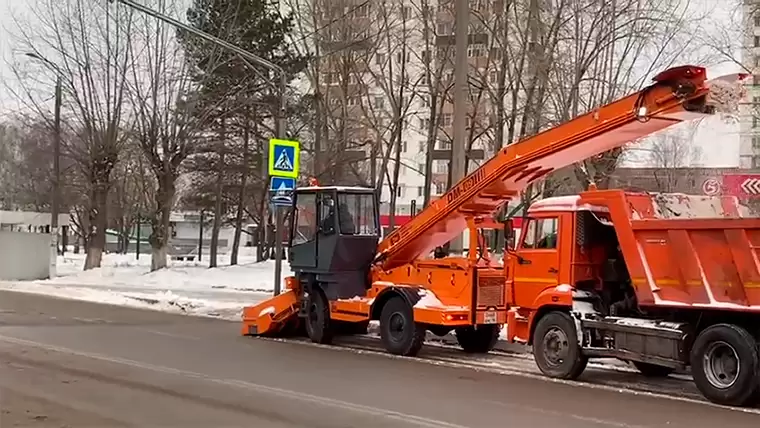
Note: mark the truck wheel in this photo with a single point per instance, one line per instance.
(556, 348)
(652, 370)
(318, 326)
(725, 365)
(398, 331)
(480, 340)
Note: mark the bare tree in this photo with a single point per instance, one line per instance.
(167, 115)
(607, 49)
(86, 43)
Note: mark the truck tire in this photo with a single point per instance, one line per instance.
(556, 348)
(652, 370)
(725, 365)
(398, 331)
(480, 340)
(317, 320)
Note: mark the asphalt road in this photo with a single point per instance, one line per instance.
(76, 364)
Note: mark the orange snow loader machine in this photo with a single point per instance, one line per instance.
(678, 292)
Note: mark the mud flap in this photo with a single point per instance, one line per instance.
(270, 316)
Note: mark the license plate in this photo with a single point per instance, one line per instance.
(489, 317)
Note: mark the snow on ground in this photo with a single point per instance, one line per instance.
(186, 287)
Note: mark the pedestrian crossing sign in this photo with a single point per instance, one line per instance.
(284, 158)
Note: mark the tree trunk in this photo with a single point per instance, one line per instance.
(160, 234)
(217, 224)
(241, 197)
(96, 244)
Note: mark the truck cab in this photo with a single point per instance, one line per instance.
(564, 243)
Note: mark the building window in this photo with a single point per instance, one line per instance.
(441, 167)
(380, 59)
(757, 20)
(422, 147)
(446, 119)
(379, 102)
(403, 146)
(755, 121)
(757, 41)
(420, 191)
(362, 11)
(444, 29)
(478, 50)
(400, 191)
(756, 143)
(440, 188)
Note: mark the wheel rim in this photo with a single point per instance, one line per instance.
(313, 314)
(721, 365)
(396, 326)
(556, 346)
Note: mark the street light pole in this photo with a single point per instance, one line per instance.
(280, 125)
(55, 203)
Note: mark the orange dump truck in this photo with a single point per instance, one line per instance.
(345, 275)
(665, 281)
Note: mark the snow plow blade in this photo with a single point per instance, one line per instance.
(277, 316)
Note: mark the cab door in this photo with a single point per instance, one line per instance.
(536, 266)
(303, 246)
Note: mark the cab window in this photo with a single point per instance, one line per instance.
(306, 219)
(541, 234)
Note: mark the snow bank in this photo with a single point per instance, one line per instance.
(185, 287)
(127, 271)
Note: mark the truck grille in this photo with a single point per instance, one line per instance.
(490, 291)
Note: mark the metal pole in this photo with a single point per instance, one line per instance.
(461, 90)
(200, 238)
(56, 200)
(278, 249)
(138, 236)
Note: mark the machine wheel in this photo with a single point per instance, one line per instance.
(556, 348)
(652, 370)
(317, 320)
(478, 340)
(398, 331)
(725, 365)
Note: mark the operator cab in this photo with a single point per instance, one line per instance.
(334, 236)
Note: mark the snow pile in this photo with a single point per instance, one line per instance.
(726, 96)
(126, 271)
(185, 287)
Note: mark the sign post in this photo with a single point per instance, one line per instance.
(284, 159)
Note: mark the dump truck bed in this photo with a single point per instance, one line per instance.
(688, 251)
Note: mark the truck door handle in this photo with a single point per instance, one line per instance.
(553, 270)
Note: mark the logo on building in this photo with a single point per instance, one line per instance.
(742, 185)
(751, 186)
(711, 187)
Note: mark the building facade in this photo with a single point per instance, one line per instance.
(749, 149)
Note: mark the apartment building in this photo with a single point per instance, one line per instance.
(367, 52)
(749, 140)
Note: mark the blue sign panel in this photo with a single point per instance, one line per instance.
(281, 190)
